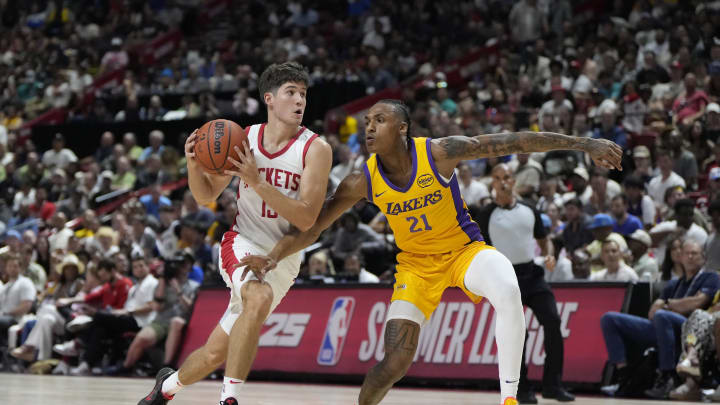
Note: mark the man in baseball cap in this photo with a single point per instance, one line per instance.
(639, 243)
(601, 228)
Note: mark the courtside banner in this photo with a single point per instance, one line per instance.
(340, 331)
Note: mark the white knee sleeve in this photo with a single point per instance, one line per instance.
(400, 309)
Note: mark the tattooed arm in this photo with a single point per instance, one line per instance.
(449, 151)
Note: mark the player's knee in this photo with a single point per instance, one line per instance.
(257, 300)
(396, 365)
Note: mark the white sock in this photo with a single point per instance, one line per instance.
(231, 388)
(508, 388)
(491, 275)
(172, 385)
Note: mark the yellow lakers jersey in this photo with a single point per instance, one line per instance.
(427, 215)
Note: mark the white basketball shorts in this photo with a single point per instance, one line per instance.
(281, 278)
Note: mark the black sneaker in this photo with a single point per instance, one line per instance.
(156, 397)
(558, 393)
(662, 387)
(229, 401)
(526, 397)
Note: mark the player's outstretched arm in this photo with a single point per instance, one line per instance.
(303, 211)
(204, 187)
(449, 151)
(352, 189)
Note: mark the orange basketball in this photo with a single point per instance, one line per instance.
(216, 140)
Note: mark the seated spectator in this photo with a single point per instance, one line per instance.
(471, 190)
(50, 322)
(124, 178)
(690, 104)
(577, 232)
(112, 292)
(549, 195)
(137, 312)
(59, 156)
(154, 200)
(580, 265)
(615, 268)
(684, 162)
(698, 350)
(660, 329)
(643, 164)
(319, 269)
(528, 174)
(646, 267)
(666, 179)
(353, 271)
(662, 232)
(31, 269)
(156, 146)
(624, 223)
(712, 246)
(639, 204)
(173, 298)
(42, 208)
(16, 296)
(601, 228)
(609, 129)
(351, 235)
(142, 236)
(579, 183)
(192, 211)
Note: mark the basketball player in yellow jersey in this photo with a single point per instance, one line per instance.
(412, 181)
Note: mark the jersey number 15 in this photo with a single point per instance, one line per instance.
(267, 212)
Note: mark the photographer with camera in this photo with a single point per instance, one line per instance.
(173, 300)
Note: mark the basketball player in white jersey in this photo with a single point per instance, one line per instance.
(283, 179)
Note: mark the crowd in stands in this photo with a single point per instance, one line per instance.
(643, 74)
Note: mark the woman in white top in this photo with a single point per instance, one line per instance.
(615, 268)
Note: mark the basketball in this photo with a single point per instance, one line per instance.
(216, 140)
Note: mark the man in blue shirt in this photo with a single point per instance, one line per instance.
(623, 223)
(154, 201)
(662, 326)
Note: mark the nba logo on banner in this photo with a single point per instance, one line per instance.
(336, 331)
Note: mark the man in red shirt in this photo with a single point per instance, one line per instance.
(42, 208)
(112, 294)
(690, 104)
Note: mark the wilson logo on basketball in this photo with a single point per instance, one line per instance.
(219, 132)
(425, 180)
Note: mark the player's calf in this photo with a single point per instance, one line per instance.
(401, 340)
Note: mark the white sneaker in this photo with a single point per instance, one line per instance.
(62, 368)
(66, 349)
(79, 323)
(82, 369)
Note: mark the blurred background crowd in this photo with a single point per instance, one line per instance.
(83, 232)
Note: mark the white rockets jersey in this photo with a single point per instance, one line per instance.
(255, 220)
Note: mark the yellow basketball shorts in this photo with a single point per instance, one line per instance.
(422, 279)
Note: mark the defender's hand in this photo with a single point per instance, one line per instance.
(258, 264)
(605, 153)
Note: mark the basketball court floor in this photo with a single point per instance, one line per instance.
(23, 389)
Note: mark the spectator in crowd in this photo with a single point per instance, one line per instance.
(59, 156)
(581, 265)
(666, 179)
(41, 207)
(646, 267)
(471, 190)
(624, 223)
(651, 73)
(172, 299)
(712, 245)
(528, 175)
(17, 296)
(643, 164)
(608, 124)
(114, 59)
(549, 196)
(350, 237)
(602, 230)
(319, 270)
(639, 204)
(152, 173)
(577, 232)
(615, 268)
(353, 271)
(107, 139)
(154, 201)
(683, 225)
(50, 321)
(690, 104)
(136, 313)
(527, 22)
(684, 162)
(678, 299)
(698, 349)
(31, 269)
(156, 146)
